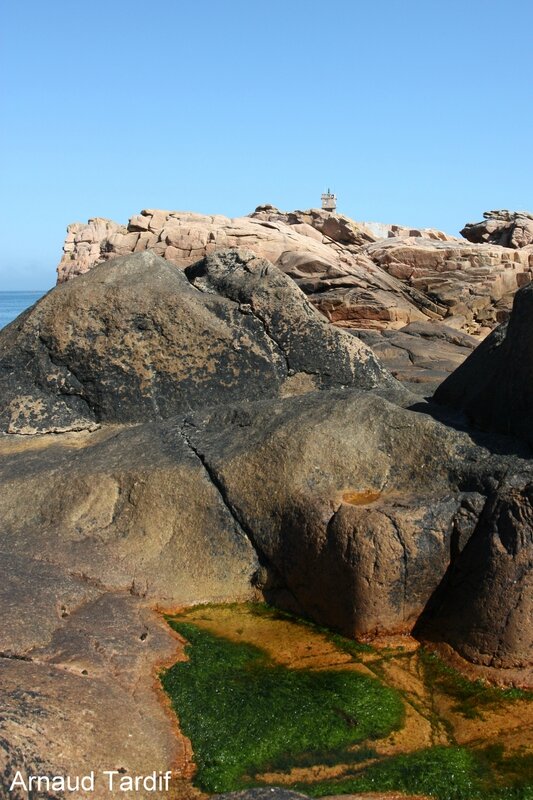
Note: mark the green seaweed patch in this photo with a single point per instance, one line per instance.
(512, 769)
(244, 713)
(471, 696)
(445, 773)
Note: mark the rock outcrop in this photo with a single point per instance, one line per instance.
(507, 228)
(80, 697)
(385, 231)
(494, 386)
(318, 263)
(485, 607)
(134, 340)
(355, 280)
(133, 510)
(335, 227)
(469, 286)
(305, 499)
(318, 484)
(245, 448)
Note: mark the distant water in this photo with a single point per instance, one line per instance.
(13, 303)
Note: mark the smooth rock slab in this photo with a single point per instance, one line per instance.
(132, 510)
(83, 702)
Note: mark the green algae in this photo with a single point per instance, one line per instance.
(446, 773)
(248, 715)
(471, 697)
(244, 713)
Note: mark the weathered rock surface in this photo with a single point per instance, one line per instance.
(80, 699)
(134, 340)
(385, 231)
(485, 607)
(96, 531)
(302, 498)
(336, 227)
(273, 455)
(354, 280)
(422, 354)
(317, 262)
(359, 539)
(137, 513)
(494, 386)
(507, 228)
(469, 286)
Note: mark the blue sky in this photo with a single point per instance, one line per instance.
(413, 112)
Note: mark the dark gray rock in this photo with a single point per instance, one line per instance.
(133, 340)
(310, 346)
(422, 354)
(485, 606)
(494, 386)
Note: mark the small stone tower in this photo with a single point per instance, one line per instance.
(329, 201)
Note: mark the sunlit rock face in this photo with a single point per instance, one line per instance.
(359, 276)
(507, 228)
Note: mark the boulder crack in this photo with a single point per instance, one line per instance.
(218, 484)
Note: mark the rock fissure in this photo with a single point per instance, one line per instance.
(214, 478)
(399, 535)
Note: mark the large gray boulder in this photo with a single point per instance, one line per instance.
(133, 340)
(350, 501)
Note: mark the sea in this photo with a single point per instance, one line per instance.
(13, 303)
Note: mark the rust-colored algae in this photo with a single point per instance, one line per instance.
(362, 498)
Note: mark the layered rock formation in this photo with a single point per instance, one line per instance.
(421, 353)
(386, 231)
(353, 278)
(469, 286)
(507, 228)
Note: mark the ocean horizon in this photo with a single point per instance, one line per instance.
(14, 303)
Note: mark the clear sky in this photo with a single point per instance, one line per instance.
(414, 112)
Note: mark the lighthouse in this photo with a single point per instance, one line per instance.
(329, 201)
